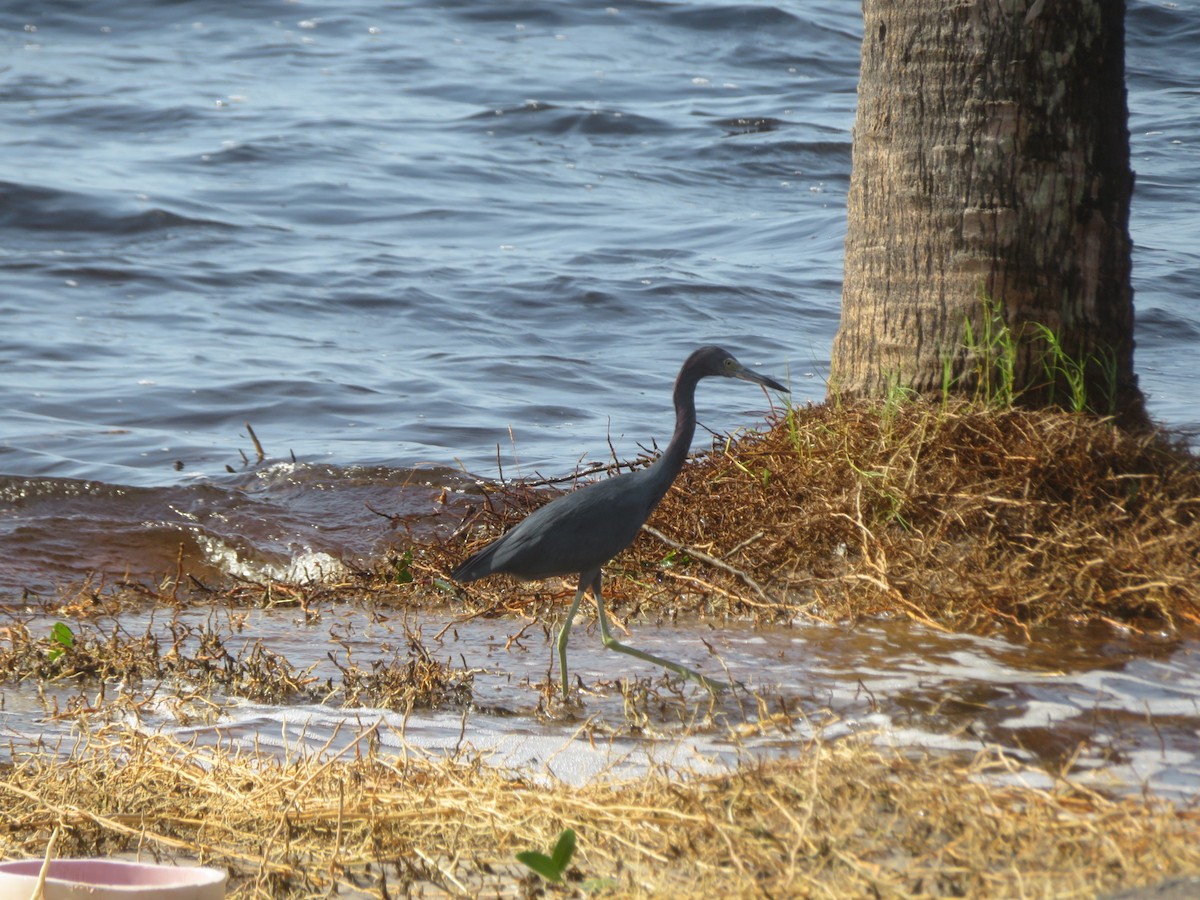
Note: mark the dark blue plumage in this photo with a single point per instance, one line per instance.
(576, 534)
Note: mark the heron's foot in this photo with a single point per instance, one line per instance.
(712, 685)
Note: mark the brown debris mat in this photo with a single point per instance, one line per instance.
(956, 515)
(838, 820)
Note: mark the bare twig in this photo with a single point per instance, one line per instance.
(258, 447)
(716, 563)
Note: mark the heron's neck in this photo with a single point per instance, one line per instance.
(662, 473)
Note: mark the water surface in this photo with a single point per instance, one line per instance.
(1114, 712)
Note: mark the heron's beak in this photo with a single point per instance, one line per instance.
(752, 376)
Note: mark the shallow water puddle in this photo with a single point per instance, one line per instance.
(1120, 713)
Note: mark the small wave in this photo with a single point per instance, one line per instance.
(306, 567)
(1155, 26)
(35, 208)
(537, 117)
(1158, 324)
(734, 16)
(285, 522)
(284, 148)
(17, 492)
(106, 116)
(545, 15)
(750, 124)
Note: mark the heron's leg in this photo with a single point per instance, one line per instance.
(711, 684)
(565, 632)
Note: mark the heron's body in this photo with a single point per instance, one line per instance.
(566, 539)
(576, 534)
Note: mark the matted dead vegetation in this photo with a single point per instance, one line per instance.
(838, 820)
(956, 515)
(188, 660)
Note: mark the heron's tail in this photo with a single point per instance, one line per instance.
(475, 566)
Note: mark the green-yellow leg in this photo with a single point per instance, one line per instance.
(711, 684)
(565, 632)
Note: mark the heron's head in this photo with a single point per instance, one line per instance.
(713, 361)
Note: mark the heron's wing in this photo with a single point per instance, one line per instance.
(574, 533)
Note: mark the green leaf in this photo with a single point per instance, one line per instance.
(540, 863)
(61, 634)
(403, 567)
(551, 867)
(676, 558)
(564, 849)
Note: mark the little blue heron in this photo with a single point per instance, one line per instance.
(576, 534)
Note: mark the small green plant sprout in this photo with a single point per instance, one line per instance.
(62, 639)
(553, 866)
(897, 397)
(949, 379)
(1060, 367)
(402, 568)
(993, 352)
(676, 557)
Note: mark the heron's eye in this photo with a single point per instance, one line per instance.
(729, 363)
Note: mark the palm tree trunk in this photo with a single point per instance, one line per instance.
(987, 247)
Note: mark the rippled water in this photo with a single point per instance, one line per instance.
(1113, 712)
(410, 240)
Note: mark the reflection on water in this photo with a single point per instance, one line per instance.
(1114, 711)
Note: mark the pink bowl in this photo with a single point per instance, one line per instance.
(107, 879)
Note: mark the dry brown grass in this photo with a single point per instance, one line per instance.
(958, 516)
(211, 659)
(840, 820)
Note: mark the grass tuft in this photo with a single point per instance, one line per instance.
(840, 820)
(950, 512)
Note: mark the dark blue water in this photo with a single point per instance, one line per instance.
(403, 239)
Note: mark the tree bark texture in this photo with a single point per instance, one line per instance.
(990, 191)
